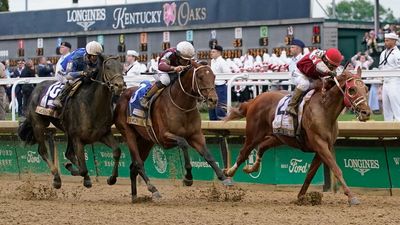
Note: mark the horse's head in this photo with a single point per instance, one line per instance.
(203, 83)
(112, 74)
(355, 94)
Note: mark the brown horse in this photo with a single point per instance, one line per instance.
(319, 126)
(176, 122)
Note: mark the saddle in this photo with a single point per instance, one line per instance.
(137, 115)
(286, 124)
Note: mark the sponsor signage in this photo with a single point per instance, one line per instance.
(153, 14)
(363, 167)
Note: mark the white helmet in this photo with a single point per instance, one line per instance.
(94, 48)
(185, 50)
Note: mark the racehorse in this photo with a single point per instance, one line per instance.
(87, 118)
(319, 126)
(176, 122)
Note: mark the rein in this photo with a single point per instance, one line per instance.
(195, 88)
(107, 81)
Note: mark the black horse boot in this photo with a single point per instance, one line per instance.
(294, 102)
(144, 102)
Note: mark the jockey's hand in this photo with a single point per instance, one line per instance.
(332, 73)
(179, 68)
(84, 74)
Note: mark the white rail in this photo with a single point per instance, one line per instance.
(248, 79)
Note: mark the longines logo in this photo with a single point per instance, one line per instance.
(361, 165)
(86, 17)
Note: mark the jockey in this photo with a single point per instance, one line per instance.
(318, 63)
(172, 62)
(80, 66)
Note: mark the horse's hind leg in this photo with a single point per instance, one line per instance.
(70, 155)
(252, 140)
(268, 143)
(316, 162)
(42, 149)
(110, 141)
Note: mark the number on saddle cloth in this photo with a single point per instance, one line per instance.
(135, 109)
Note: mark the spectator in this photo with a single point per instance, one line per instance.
(65, 50)
(364, 61)
(45, 68)
(390, 60)
(219, 65)
(27, 89)
(19, 72)
(296, 50)
(2, 92)
(133, 68)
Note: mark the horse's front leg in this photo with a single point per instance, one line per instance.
(198, 142)
(110, 141)
(80, 155)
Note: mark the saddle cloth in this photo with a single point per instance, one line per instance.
(283, 122)
(46, 106)
(136, 114)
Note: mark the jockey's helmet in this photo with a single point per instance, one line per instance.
(94, 48)
(185, 50)
(333, 56)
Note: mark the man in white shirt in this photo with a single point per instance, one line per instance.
(219, 65)
(296, 50)
(65, 50)
(134, 68)
(390, 60)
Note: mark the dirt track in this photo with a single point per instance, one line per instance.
(29, 201)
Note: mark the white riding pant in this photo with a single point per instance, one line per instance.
(303, 83)
(164, 78)
(391, 99)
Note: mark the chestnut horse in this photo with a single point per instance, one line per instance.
(319, 126)
(176, 122)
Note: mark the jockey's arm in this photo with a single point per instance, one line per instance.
(322, 68)
(165, 67)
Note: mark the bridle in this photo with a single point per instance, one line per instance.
(194, 88)
(107, 80)
(351, 97)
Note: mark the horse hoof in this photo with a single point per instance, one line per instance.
(156, 196)
(134, 198)
(227, 182)
(87, 183)
(354, 201)
(57, 184)
(111, 180)
(187, 182)
(248, 169)
(226, 172)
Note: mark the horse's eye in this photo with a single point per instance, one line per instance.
(352, 91)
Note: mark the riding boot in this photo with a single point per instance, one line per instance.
(294, 102)
(59, 100)
(144, 102)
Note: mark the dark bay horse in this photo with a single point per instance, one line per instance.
(87, 118)
(176, 122)
(319, 126)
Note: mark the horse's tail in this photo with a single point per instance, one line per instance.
(25, 132)
(239, 112)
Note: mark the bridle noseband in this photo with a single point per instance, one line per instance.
(194, 88)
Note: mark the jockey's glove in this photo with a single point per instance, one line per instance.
(332, 73)
(69, 77)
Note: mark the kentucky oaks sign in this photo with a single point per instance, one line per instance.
(150, 15)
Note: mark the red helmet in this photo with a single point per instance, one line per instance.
(334, 56)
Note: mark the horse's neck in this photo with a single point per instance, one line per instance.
(333, 104)
(178, 95)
